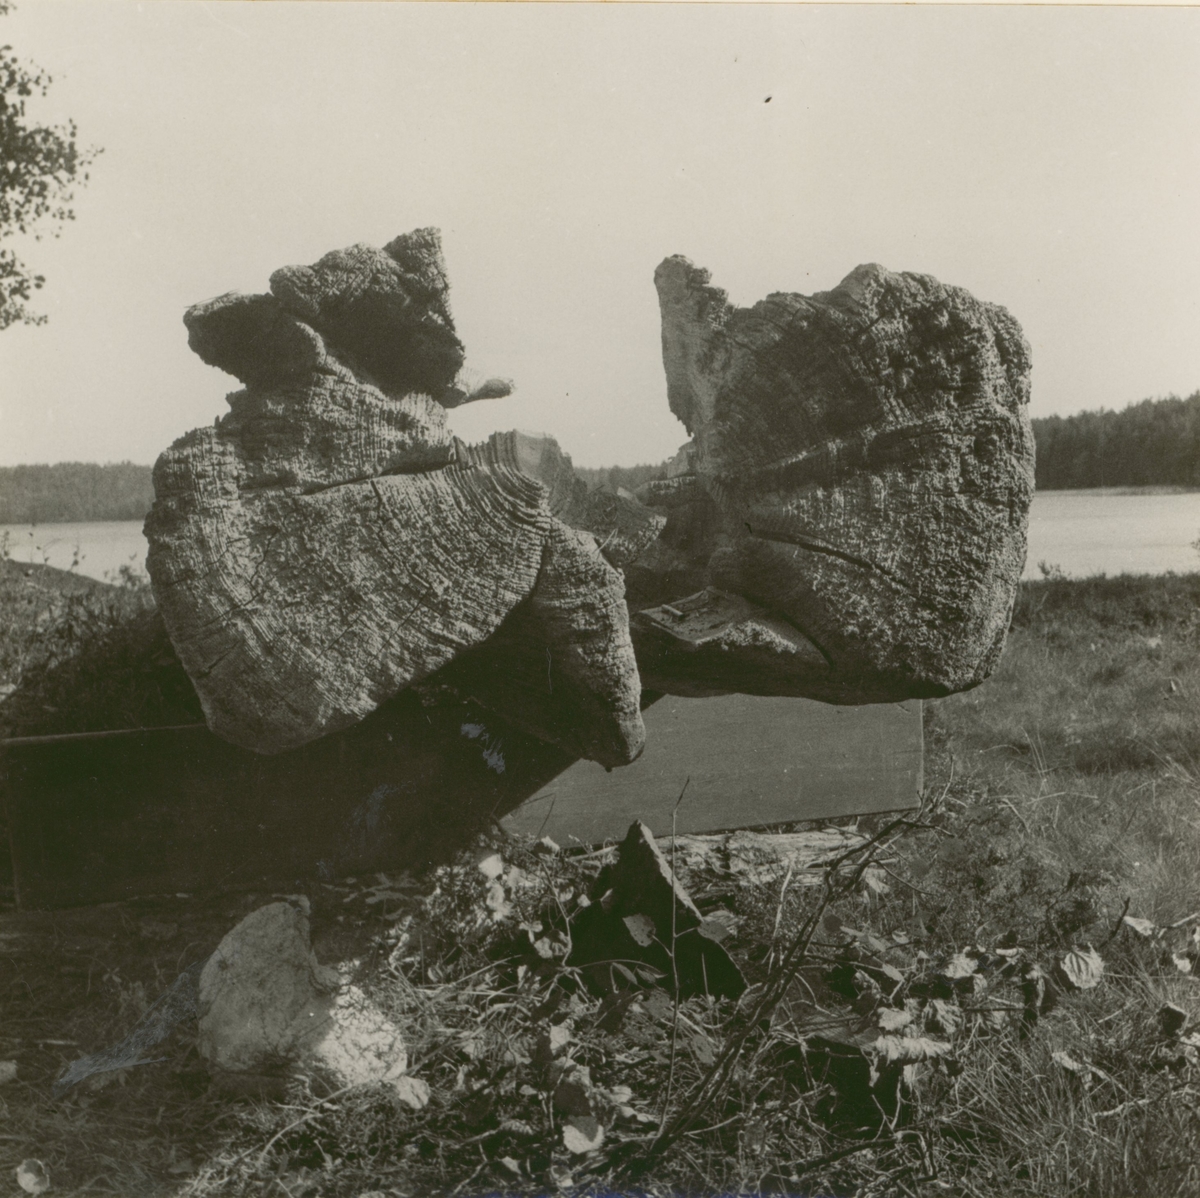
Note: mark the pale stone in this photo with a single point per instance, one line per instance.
(264, 999)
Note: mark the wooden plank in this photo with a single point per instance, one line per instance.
(105, 816)
(751, 762)
(109, 816)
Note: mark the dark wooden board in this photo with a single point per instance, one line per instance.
(751, 761)
(102, 817)
(107, 817)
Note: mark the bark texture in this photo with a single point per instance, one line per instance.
(329, 543)
(847, 522)
(850, 514)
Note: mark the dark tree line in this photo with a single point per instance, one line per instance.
(627, 477)
(1152, 443)
(74, 491)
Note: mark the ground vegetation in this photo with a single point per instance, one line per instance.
(993, 996)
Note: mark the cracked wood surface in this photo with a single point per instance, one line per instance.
(328, 543)
(860, 470)
(847, 522)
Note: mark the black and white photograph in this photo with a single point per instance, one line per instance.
(599, 599)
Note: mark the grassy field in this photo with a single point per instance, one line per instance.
(996, 997)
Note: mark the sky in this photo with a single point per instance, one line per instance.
(1047, 159)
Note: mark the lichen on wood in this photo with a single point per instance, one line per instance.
(846, 523)
(860, 468)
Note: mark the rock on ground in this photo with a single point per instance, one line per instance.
(266, 1005)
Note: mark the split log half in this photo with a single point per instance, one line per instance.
(860, 471)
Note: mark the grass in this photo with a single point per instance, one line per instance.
(78, 655)
(909, 1029)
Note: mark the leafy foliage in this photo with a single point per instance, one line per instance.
(41, 164)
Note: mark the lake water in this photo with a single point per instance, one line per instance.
(101, 548)
(1114, 532)
(1082, 532)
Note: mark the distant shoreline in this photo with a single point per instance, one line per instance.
(1094, 492)
(1150, 490)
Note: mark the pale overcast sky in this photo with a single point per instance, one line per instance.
(1046, 159)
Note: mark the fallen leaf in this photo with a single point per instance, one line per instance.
(875, 881)
(1143, 927)
(1182, 963)
(947, 1015)
(1081, 970)
(511, 1165)
(1039, 992)
(560, 1037)
(411, 1091)
(718, 926)
(560, 1176)
(497, 902)
(909, 1048)
(581, 1134)
(658, 1005)
(548, 949)
(8, 1071)
(960, 966)
(492, 866)
(33, 1177)
(702, 1048)
(641, 928)
(892, 1020)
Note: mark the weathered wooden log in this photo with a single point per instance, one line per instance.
(327, 543)
(854, 497)
(847, 522)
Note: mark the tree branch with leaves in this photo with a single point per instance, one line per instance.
(40, 165)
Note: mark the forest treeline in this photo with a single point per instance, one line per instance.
(74, 491)
(1155, 443)
(628, 478)
(1152, 443)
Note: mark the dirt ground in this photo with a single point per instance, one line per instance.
(75, 981)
